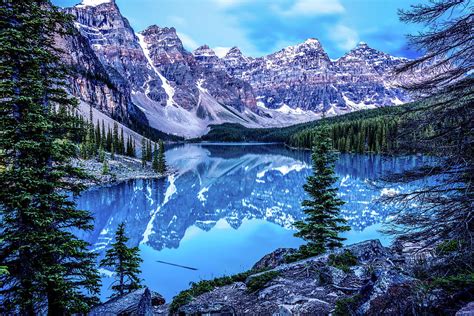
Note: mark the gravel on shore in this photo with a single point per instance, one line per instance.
(121, 168)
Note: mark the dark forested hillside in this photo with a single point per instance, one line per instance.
(367, 130)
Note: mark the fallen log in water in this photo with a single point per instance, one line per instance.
(176, 265)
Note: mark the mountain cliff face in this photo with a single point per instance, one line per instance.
(150, 78)
(304, 77)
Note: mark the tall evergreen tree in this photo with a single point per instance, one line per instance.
(154, 164)
(161, 164)
(109, 140)
(125, 262)
(444, 128)
(103, 136)
(148, 150)
(98, 135)
(144, 152)
(323, 223)
(115, 138)
(122, 142)
(49, 267)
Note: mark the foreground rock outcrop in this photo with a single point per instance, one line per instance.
(321, 285)
(141, 302)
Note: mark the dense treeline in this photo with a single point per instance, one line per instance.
(362, 131)
(96, 139)
(236, 132)
(376, 135)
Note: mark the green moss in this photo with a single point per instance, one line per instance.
(447, 247)
(304, 252)
(346, 306)
(258, 282)
(343, 261)
(204, 286)
(453, 283)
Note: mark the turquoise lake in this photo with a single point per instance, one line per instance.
(227, 205)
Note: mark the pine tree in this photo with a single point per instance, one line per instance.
(155, 164)
(115, 138)
(101, 156)
(161, 165)
(91, 134)
(98, 135)
(112, 151)
(122, 142)
(109, 140)
(134, 149)
(322, 224)
(103, 136)
(144, 152)
(105, 167)
(49, 267)
(148, 150)
(125, 262)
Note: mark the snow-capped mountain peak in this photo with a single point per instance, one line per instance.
(312, 41)
(94, 3)
(182, 92)
(204, 51)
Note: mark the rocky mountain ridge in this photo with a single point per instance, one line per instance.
(182, 93)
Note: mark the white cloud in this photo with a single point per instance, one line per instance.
(229, 3)
(315, 7)
(177, 20)
(221, 51)
(344, 37)
(188, 42)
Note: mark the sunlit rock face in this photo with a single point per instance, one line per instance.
(304, 77)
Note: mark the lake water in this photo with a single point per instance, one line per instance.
(226, 206)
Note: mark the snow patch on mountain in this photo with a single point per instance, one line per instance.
(93, 3)
(164, 82)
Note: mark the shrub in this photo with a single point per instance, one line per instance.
(446, 247)
(343, 260)
(454, 283)
(346, 306)
(204, 286)
(258, 282)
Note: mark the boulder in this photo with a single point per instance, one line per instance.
(467, 310)
(389, 293)
(273, 259)
(140, 302)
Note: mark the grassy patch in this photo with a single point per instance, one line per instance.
(343, 261)
(304, 252)
(258, 282)
(446, 247)
(453, 283)
(346, 306)
(204, 286)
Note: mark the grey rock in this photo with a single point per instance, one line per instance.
(140, 302)
(273, 259)
(298, 288)
(467, 310)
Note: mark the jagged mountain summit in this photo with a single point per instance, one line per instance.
(166, 87)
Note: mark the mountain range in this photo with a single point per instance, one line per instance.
(148, 79)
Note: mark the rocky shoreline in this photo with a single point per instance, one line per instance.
(360, 279)
(121, 168)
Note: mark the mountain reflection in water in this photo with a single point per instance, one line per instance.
(226, 206)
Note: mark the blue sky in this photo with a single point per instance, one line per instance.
(260, 27)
